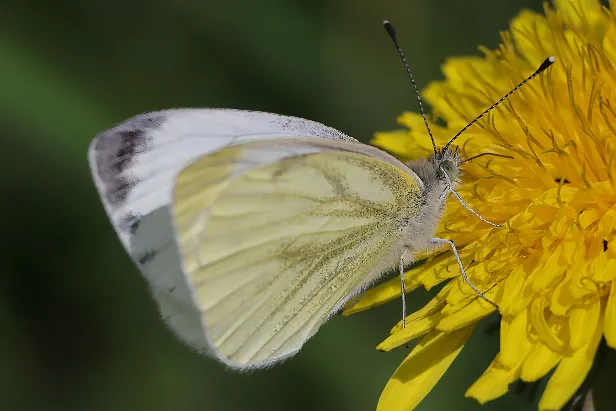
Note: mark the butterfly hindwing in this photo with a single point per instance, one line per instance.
(276, 236)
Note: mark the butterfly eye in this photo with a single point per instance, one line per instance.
(450, 169)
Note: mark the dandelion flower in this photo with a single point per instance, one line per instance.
(552, 267)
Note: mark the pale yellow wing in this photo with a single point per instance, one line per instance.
(276, 236)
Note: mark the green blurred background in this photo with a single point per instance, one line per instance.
(78, 328)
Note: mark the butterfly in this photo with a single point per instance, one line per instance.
(252, 229)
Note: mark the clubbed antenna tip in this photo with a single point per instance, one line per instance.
(389, 28)
(546, 63)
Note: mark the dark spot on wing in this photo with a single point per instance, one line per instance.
(130, 222)
(605, 245)
(558, 180)
(116, 150)
(172, 289)
(149, 120)
(147, 256)
(118, 193)
(130, 142)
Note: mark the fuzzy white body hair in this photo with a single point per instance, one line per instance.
(422, 227)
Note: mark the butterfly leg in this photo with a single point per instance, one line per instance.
(456, 195)
(403, 288)
(441, 241)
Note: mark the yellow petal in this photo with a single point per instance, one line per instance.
(440, 269)
(603, 268)
(610, 317)
(421, 369)
(527, 29)
(470, 314)
(561, 300)
(462, 294)
(411, 332)
(570, 374)
(383, 293)
(548, 326)
(510, 303)
(518, 293)
(417, 133)
(545, 275)
(397, 142)
(458, 71)
(607, 225)
(494, 382)
(583, 16)
(433, 306)
(539, 362)
(582, 324)
(573, 248)
(514, 341)
(591, 216)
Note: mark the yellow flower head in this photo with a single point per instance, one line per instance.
(552, 267)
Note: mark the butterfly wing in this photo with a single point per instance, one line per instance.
(134, 166)
(276, 236)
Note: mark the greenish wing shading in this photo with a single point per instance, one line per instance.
(274, 249)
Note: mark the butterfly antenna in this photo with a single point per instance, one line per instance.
(546, 63)
(392, 34)
(485, 154)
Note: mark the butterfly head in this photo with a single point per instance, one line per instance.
(439, 172)
(446, 165)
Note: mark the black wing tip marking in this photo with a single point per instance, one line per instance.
(114, 151)
(130, 223)
(129, 144)
(147, 256)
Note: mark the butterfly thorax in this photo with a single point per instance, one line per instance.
(439, 173)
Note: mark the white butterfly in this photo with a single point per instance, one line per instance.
(252, 229)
